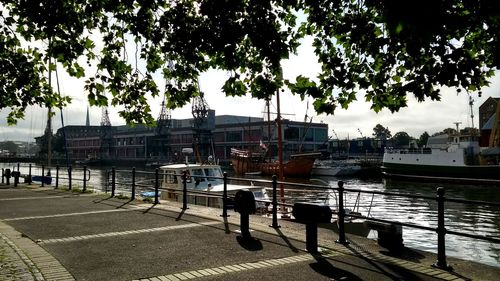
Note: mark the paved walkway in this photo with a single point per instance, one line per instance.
(48, 234)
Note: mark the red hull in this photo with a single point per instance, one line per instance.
(245, 161)
(298, 166)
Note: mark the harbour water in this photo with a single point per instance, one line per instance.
(471, 219)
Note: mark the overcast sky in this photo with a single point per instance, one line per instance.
(428, 116)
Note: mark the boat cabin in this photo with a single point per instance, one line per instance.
(205, 183)
(199, 177)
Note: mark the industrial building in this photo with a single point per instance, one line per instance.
(215, 137)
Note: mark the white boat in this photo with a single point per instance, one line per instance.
(205, 185)
(446, 157)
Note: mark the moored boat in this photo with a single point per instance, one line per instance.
(205, 185)
(446, 157)
(44, 179)
(299, 165)
(245, 161)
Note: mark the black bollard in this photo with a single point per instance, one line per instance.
(7, 176)
(311, 215)
(16, 175)
(244, 203)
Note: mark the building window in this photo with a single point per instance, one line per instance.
(292, 133)
(233, 136)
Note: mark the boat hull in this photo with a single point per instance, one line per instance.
(44, 179)
(471, 173)
(246, 162)
(244, 166)
(299, 167)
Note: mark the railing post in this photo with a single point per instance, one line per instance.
(441, 232)
(133, 184)
(18, 165)
(113, 181)
(2, 175)
(29, 174)
(57, 177)
(156, 186)
(275, 203)
(184, 190)
(224, 197)
(70, 177)
(341, 215)
(43, 175)
(84, 178)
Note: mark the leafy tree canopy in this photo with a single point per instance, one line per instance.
(401, 139)
(447, 131)
(381, 132)
(422, 140)
(386, 48)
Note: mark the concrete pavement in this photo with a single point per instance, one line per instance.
(48, 234)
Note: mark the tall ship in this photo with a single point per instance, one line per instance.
(299, 165)
(258, 161)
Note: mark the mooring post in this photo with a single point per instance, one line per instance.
(341, 215)
(43, 175)
(184, 190)
(84, 178)
(224, 197)
(70, 177)
(441, 232)
(157, 186)
(275, 203)
(133, 183)
(57, 177)
(113, 181)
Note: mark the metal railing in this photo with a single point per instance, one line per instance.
(33, 170)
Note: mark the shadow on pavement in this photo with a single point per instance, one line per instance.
(286, 240)
(249, 243)
(325, 268)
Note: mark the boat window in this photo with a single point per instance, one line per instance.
(170, 177)
(198, 175)
(213, 173)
